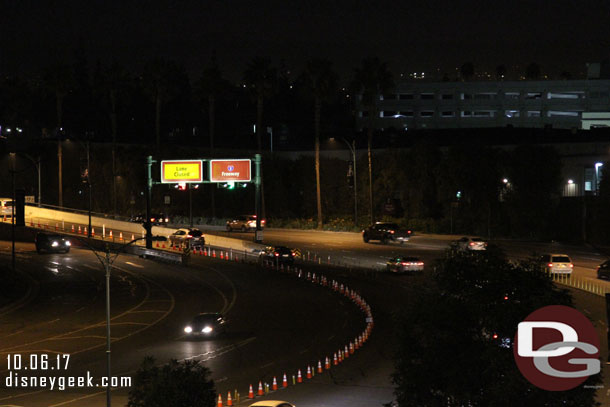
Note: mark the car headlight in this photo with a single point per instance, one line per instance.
(68, 243)
(55, 243)
(207, 330)
(188, 329)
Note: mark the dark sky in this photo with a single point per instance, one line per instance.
(423, 35)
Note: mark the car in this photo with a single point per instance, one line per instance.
(403, 264)
(470, 243)
(385, 232)
(278, 254)
(603, 270)
(193, 237)
(272, 403)
(243, 223)
(206, 324)
(155, 218)
(51, 243)
(6, 207)
(556, 264)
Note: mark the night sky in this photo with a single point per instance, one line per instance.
(427, 35)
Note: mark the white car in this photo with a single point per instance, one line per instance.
(471, 243)
(272, 403)
(557, 263)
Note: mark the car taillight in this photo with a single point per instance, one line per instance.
(166, 220)
(404, 264)
(472, 243)
(391, 232)
(276, 254)
(421, 263)
(293, 253)
(550, 265)
(408, 231)
(570, 265)
(189, 236)
(263, 221)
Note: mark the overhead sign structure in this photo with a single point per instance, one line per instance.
(177, 171)
(230, 170)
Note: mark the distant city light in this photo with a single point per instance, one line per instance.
(570, 181)
(505, 180)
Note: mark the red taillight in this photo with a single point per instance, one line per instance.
(505, 297)
(276, 254)
(263, 221)
(421, 263)
(550, 265)
(408, 231)
(189, 236)
(495, 336)
(472, 243)
(571, 265)
(391, 232)
(404, 264)
(294, 254)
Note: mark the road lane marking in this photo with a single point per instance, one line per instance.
(267, 365)
(22, 395)
(79, 398)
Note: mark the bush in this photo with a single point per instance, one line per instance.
(176, 384)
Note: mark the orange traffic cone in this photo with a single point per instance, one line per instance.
(250, 393)
(79, 229)
(214, 253)
(319, 366)
(85, 231)
(274, 385)
(351, 348)
(299, 377)
(308, 372)
(260, 389)
(92, 231)
(120, 235)
(219, 401)
(157, 245)
(133, 237)
(56, 226)
(346, 352)
(327, 363)
(110, 235)
(229, 400)
(221, 255)
(335, 362)
(284, 381)
(72, 228)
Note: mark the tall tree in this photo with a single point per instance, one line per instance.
(111, 83)
(59, 80)
(467, 71)
(371, 80)
(260, 77)
(211, 85)
(322, 82)
(533, 71)
(161, 82)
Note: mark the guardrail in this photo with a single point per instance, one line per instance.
(582, 283)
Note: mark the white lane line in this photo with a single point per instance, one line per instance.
(267, 365)
(23, 394)
(134, 264)
(78, 398)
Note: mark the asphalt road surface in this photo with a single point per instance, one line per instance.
(277, 323)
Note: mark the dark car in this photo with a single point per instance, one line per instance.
(279, 255)
(402, 264)
(603, 270)
(206, 324)
(193, 237)
(155, 218)
(52, 243)
(386, 232)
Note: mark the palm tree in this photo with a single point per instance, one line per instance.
(211, 85)
(260, 77)
(59, 80)
(161, 82)
(322, 82)
(371, 79)
(112, 82)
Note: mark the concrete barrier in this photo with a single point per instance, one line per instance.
(33, 214)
